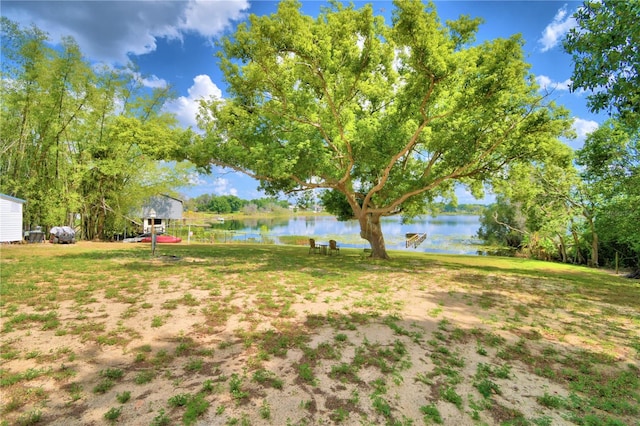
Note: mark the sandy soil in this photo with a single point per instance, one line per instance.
(392, 343)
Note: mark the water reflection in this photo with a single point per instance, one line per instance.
(445, 234)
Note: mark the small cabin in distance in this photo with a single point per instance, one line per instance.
(165, 209)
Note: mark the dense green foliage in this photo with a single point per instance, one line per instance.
(587, 212)
(77, 140)
(606, 57)
(610, 162)
(584, 214)
(387, 117)
(607, 63)
(501, 224)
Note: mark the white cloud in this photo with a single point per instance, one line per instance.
(553, 33)
(209, 18)
(222, 186)
(582, 128)
(109, 30)
(547, 85)
(196, 179)
(154, 82)
(209, 184)
(186, 107)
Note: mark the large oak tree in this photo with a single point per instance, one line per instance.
(387, 117)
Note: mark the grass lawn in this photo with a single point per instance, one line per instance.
(249, 334)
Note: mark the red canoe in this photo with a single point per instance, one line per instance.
(162, 239)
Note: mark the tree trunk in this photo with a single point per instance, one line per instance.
(594, 250)
(371, 230)
(578, 258)
(594, 243)
(562, 248)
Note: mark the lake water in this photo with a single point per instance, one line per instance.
(452, 234)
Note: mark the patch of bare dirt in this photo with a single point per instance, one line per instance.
(326, 362)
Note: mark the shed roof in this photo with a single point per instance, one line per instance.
(10, 198)
(165, 206)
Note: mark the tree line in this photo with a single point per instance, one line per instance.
(586, 209)
(80, 142)
(232, 204)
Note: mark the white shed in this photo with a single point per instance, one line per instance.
(10, 219)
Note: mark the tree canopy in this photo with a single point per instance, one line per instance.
(585, 214)
(77, 139)
(588, 214)
(606, 57)
(388, 117)
(610, 161)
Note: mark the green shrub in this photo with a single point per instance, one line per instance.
(431, 414)
(113, 414)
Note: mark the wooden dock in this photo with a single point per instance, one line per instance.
(415, 239)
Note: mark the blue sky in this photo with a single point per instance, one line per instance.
(173, 44)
